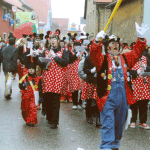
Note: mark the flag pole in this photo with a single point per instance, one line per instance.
(113, 13)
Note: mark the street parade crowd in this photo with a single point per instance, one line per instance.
(105, 77)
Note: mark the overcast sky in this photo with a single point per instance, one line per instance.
(72, 9)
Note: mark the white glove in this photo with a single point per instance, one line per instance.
(52, 54)
(138, 71)
(95, 75)
(34, 53)
(78, 54)
(93, 70)
(141, 30)
(101, 34)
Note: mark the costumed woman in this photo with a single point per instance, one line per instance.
(74, 80)
(52, 78)
(141, 93)
(66, 93)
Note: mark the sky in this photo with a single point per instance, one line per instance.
(72, 9)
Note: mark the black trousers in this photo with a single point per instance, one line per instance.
(75, 98)
(52, 106)
(91, 109)
(142, 106)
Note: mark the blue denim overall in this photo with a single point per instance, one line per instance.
(114, 112)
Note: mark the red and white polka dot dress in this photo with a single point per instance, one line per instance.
(53, 78)
(88, 91)
(65, 82)
(141, 90)
(74, 80)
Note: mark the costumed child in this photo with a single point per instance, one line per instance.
(32, 55)
(31, 90)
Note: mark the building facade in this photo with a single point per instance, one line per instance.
(96, 16)
(26, 7)
(123, 23)
(63, 24)
(6, 8)
(44, 11)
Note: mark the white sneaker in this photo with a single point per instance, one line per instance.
(74, 107)
(79, 107)
(144, 126)
(132, 125)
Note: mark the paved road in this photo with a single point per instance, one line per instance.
(73, 130)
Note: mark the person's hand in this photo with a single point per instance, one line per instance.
(95, 75)
(52, 53)
(142, 69)
(18, 62)
(40, 51)
(141, 30)
(78, 54)
(66, 47)
(101, 35)
(34, 54)
(93, 70)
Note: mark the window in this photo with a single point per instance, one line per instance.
(10, 12)
(5, 36)
(4, 12)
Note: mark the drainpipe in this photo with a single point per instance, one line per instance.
(111, 4)
(98, 20)
(105, 17)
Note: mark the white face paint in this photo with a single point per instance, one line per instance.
(113, 47)
(31, 71)
(54, 42)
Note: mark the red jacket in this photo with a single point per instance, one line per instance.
(132, 57)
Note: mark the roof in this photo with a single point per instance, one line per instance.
(85, 9)
(42, 23)
(62, 23)
(24, 3)
(103, 1)
(96, 2)
(73, 29)
(73, 23)
(16, 3)
(41, 8)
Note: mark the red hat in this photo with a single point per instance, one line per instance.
(50, 32)
(57, 32)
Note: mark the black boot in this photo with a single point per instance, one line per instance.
(30, 124)
(115, 149)
(98, 121)
(53, 126)
(90, 120)
(8, 96)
